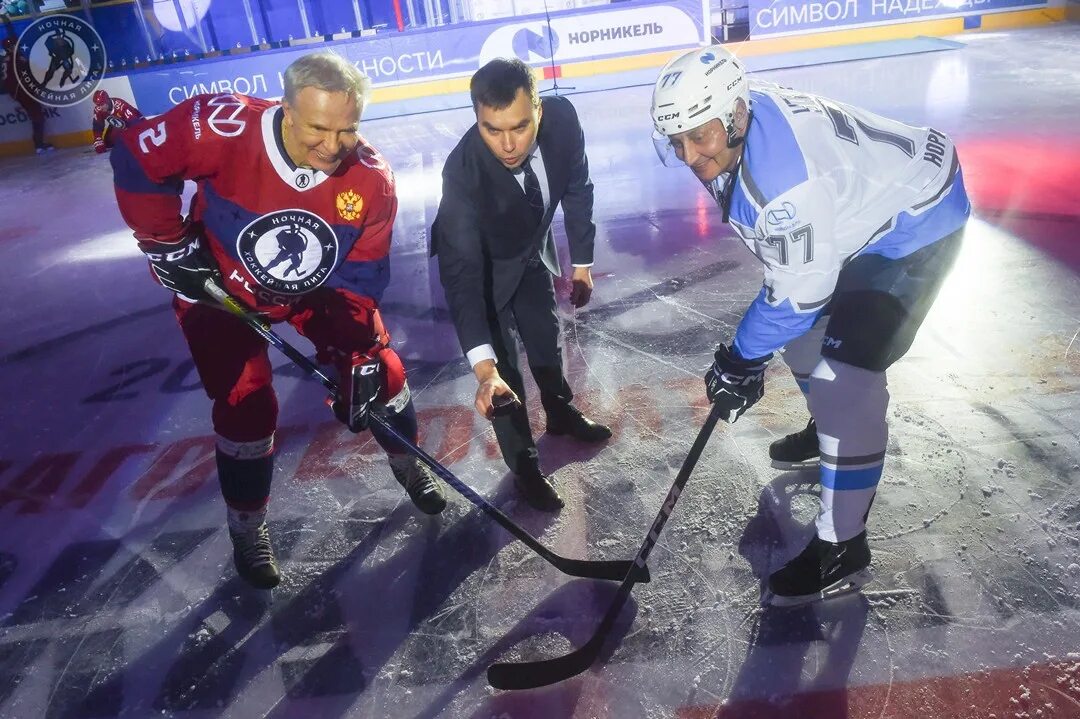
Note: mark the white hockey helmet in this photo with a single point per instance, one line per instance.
(696, 87)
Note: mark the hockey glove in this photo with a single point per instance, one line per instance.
(183, 266)
(362, 382)
(99, 147)
(735, 384)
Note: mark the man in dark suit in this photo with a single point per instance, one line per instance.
(501, 185)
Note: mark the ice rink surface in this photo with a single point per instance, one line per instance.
(117, 592)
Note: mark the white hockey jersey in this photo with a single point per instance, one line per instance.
(821, 182)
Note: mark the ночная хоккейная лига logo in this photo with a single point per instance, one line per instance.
(59, 60)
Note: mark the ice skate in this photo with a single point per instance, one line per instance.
(799, 449)
(253, 556)
(823, 570)
(419, 482)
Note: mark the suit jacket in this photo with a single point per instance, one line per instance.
(485, 233)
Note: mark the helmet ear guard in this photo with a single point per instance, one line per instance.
(733, 138)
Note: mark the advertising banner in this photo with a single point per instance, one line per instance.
(771, 18)
(592, 35)
(451, 51)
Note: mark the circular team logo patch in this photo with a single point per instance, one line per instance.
(289, 252)
(59, 60)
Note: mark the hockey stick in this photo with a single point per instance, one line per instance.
(529, 675)
(615, 570)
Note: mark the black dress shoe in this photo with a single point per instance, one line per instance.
(579, 427)
(538, 491)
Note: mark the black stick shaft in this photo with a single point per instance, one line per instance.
(615, 570)
(661, 519)
(529, 675)
(262, 328)
(676, 489)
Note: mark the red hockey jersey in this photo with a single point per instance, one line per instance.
(278, 232)
(116, 114)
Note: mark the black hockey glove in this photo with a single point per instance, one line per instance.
(735, 384)
(362, 381)
(184, 266)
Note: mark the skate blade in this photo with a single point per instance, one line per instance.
(847, 585)
(262, 600)
(792, 466)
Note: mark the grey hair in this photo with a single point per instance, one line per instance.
(327, 71)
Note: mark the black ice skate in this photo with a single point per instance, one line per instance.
(822, 571)
(419, 482)
(254, 557)
(795, 450)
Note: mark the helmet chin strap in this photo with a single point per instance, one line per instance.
(729, 189)
(722, 188)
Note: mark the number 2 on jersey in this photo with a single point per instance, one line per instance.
(155, 135)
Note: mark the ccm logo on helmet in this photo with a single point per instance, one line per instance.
(672, 116)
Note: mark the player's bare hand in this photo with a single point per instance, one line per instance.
(582, 285)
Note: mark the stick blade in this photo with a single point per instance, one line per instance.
(614, 570)
(530, 675)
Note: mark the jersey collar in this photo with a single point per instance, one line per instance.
(300, 179)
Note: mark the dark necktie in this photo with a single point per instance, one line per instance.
(532, 191)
